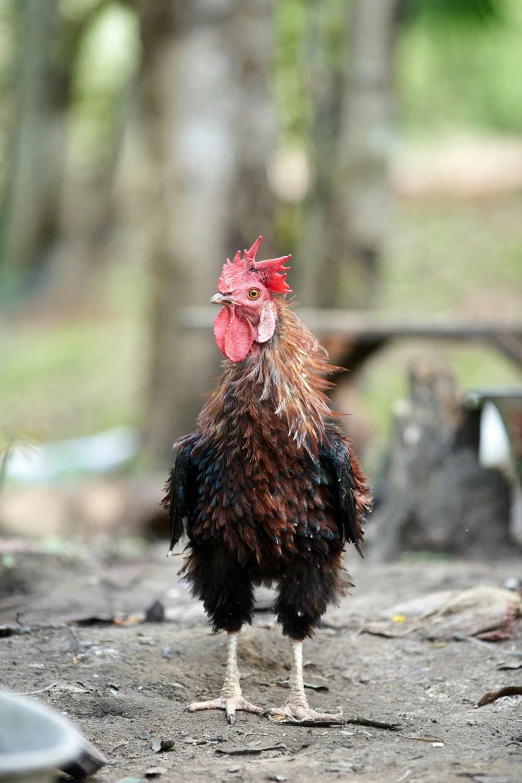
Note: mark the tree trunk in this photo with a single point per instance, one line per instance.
(42, 242)
(31, 207)
(203, 82)
(252, 203)
(434, 494)
(350, 220)
(324, 75)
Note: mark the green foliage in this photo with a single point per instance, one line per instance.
(292, 102)
(461, 69)
(106, 60)
(310, 50)
(474, 14)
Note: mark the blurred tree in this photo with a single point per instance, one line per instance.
(351, 62)
(359, 220)
(253, 204)
(203, 81)
(50, 37)
(350, 207)
(103, 50)
(33, 191)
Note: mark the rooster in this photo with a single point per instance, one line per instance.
(267, 487)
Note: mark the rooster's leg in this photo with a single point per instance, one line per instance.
(296, 707)
(231, 698)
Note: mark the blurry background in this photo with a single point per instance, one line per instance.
(141, 143)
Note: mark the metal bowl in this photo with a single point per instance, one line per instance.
(34, 741)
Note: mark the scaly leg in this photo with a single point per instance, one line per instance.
(231, 698)
(296, 707)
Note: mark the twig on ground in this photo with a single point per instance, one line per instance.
(377, 724)
(40, 690)
(460, 637)
(249, 751)
(288, 721)
(509, 666)
(422, 739)
(319, 688)
(119, 745)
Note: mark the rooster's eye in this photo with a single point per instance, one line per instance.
(253, 293)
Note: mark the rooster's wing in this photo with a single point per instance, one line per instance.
(181, 491)
(336, 461)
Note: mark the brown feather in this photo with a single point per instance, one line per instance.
(265, 424)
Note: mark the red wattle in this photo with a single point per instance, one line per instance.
(221, 322)
(234, 335)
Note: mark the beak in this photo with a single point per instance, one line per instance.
(221, 299)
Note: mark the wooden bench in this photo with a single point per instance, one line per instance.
(353, 336)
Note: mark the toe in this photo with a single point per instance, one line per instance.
(231, 712)
(196, 706)
(248, 707)
(231, 705)
(294, 713)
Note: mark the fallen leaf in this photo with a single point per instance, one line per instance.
(491, 696)
(249, 750)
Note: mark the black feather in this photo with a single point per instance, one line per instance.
(182, 491)
(335, 460)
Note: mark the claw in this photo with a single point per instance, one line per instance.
(228, 703)
(304, 716)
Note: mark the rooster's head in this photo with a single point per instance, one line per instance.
(249, 312)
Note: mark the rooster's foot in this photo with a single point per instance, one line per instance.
(295, 713)
(228, 703)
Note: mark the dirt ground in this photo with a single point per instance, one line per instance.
(125, 685)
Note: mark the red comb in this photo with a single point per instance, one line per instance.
(271, 272)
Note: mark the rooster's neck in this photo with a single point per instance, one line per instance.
(283, 377)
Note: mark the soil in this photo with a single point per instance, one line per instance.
(126, 684)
